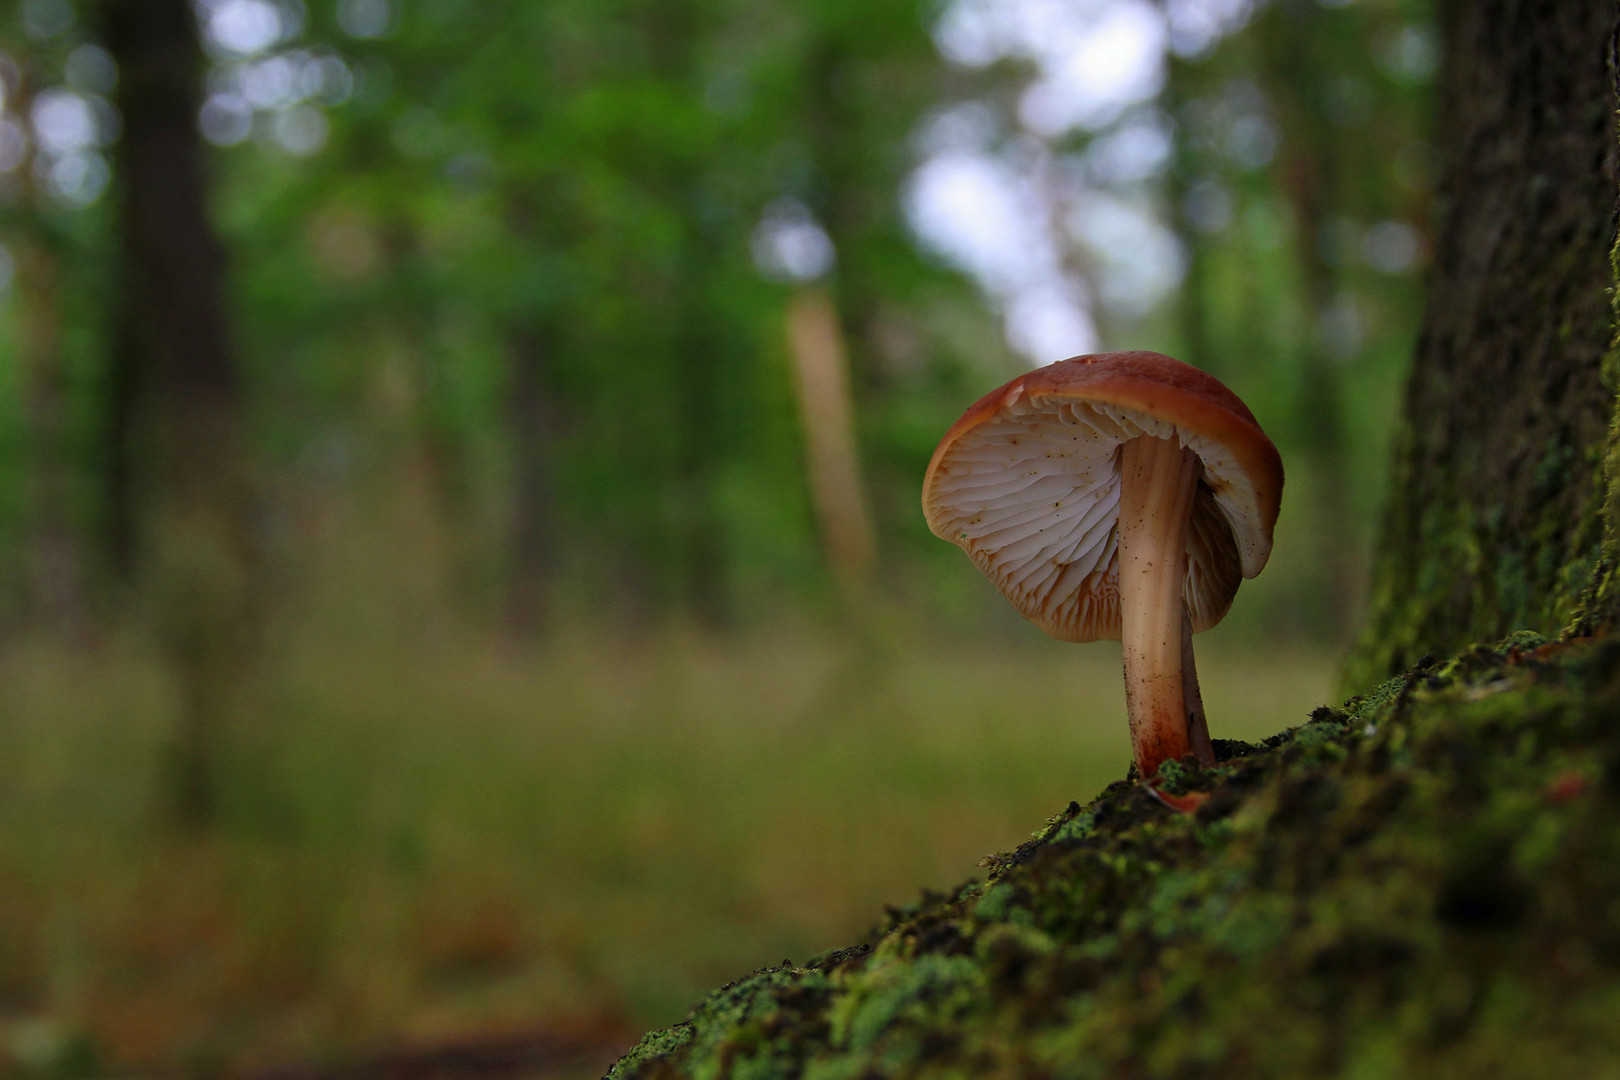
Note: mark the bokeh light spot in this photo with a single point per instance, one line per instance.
(244, 27)
(90, 69)
(63, 121)
(365, 18)
(300, 131)
(44, 20)
(226, 119)
(790, 245)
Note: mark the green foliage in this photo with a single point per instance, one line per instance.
(1416, 883)
(520, 249)
(587, 181)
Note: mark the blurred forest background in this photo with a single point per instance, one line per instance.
(460, 559)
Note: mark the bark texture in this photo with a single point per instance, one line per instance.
(1495, 521)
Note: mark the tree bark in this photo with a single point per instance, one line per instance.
(178, 471)
(1496, 519)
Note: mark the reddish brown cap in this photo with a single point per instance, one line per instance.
(1027, 483)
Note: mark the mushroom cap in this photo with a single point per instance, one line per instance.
(1027, 483)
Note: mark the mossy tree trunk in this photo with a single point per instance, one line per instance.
(1497, 518)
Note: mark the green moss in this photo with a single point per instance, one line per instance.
(1596, 593)
(874, 1004)
(1419, 882)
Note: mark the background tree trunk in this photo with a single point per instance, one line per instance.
(1310, 172)
(832, 459)
(532, 541)
(54, 565)
(1495, 520)
(179, 471)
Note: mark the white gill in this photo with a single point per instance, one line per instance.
(1033, 497)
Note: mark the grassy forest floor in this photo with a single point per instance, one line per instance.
(427, 838)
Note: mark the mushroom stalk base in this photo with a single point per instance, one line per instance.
(1158, 482)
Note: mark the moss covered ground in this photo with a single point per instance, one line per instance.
(1424, 881)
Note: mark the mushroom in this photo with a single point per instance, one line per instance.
(1117, 495)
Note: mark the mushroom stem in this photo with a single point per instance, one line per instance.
(1158, 482)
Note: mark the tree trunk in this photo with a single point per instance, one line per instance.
(1310, 175)
(1192, 304)
(1496, 518)
(532, 546)
(54, 572)
(52, 579)
(180, 474)
(699, 528)
(832, 460)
